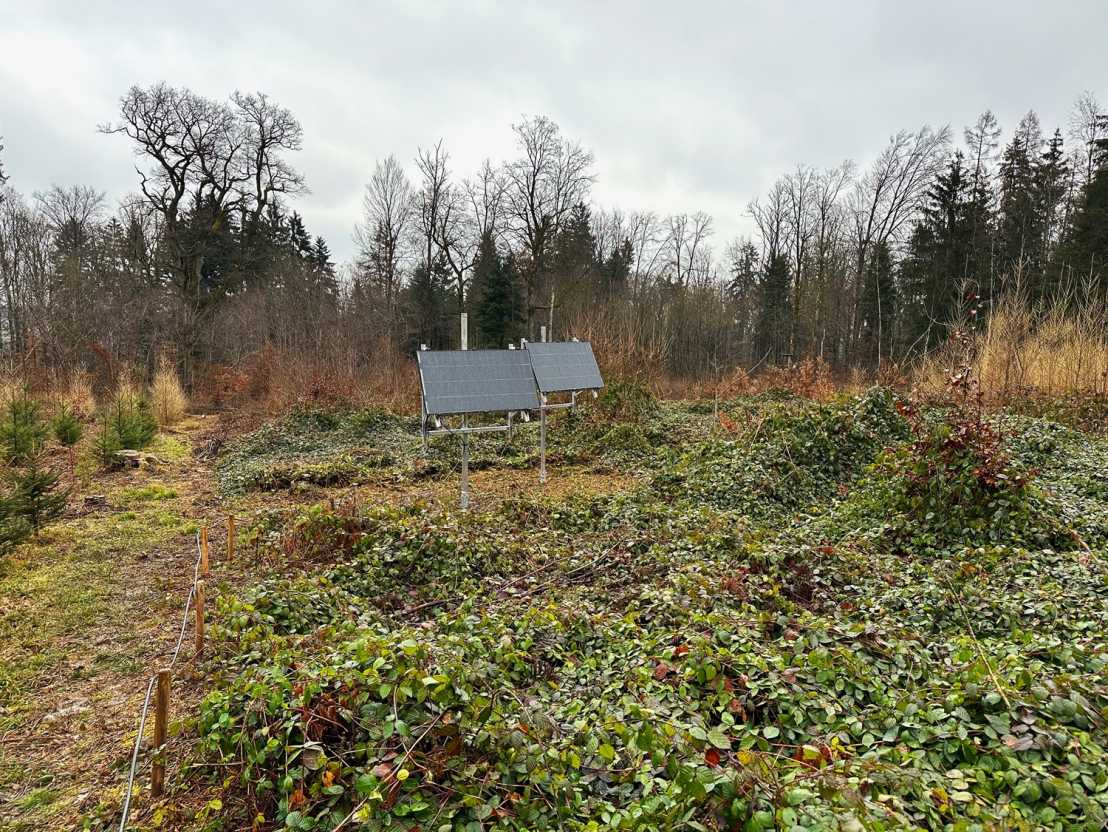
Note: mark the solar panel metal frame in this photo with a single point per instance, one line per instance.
(476, 381)
(564, 366)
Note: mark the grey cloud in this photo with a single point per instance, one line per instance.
(686, 105)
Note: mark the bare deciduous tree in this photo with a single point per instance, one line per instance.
(270, 130)
(891, 192)
(550, 177)
(206, 161)
(687, 243)
(387, 213)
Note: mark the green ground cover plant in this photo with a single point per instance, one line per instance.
(858, 615)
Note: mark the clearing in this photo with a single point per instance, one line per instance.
(777, 614)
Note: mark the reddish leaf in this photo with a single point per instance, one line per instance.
(711, 757)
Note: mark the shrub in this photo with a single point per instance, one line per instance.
(35, 496)
(66, 426)
(169, 400)
(627, 401)
(624, 438)
(23, 431)
(954, 483)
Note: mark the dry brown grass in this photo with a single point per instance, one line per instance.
(626, 345)
(269, 382)
(811, 378)
(77, 394)
(1059, 352)
(167, 395)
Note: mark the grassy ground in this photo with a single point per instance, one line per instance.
(85, 610)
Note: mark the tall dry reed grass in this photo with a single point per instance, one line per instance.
(167, 395)
(1022, 352)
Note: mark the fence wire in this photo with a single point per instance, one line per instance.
(150, 689)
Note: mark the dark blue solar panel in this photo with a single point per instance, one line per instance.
(476, 381)
(563, 366)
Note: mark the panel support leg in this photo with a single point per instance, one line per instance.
(542, 441)
(465, 467)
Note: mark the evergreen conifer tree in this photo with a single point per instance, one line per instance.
(496, 303)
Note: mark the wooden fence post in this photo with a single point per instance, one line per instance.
(199, 617)
(230, 537)
(205, 569)
(161, 726)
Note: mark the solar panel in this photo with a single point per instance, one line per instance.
(563, 366)
(476, 381)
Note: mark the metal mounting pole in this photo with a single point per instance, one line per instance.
(542, 334)
(465, 466)
(542, 439)
(465, 331)
(423, 414)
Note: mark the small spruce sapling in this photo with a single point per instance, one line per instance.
(22, 431)
(14, 528)
(66, 426)
(35, 496)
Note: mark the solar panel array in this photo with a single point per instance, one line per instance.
(476, 381)
(564, 366)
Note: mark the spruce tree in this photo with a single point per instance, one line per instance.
(495, 296)
(771, 331)
(940, 261)
(22, 430)
(35, 496)
(1083, 255)
(14, 528)
(428, 297)
(1021, 222)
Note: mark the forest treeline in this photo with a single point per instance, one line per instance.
(209, 262)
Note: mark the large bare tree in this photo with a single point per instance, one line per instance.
(687, 240)
(889, 194)
(387, 214)
(205, 161)
(549, 178)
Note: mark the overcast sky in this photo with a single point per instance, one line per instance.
(687, 106)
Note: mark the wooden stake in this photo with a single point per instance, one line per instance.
(230, 537)
(199, 604)
(204, 568)
(161, 726)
